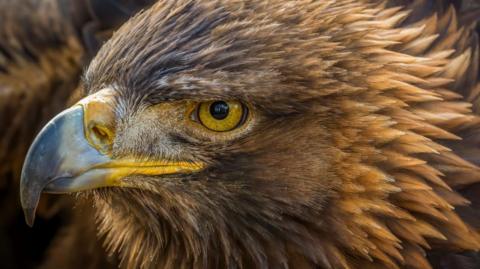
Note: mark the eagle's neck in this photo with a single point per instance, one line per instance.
(171, 241)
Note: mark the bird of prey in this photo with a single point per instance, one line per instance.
(276, 134)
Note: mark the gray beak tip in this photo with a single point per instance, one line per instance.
(29, 215)
(59, 151)
(42, 161)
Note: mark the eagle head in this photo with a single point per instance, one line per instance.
(255, 134)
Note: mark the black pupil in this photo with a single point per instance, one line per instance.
(219, 110)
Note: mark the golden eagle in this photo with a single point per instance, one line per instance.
(276, 134)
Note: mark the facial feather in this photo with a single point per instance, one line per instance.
(344, 164)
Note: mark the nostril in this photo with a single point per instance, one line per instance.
(100, 132)
(100, 137)
(99, 119)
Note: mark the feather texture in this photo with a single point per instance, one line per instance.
(381, 98)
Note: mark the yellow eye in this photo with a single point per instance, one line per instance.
(221, 116)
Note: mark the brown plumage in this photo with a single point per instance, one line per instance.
(360, 148)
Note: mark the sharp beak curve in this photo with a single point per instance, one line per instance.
(67, 156)
(57, 154)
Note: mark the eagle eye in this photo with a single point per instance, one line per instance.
(220, 116)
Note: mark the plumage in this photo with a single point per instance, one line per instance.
(359, 149)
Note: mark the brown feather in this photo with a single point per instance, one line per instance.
(363, 143)
(393, 85)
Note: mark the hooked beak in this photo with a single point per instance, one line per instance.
(71, 154)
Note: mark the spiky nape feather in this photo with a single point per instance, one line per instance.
(376, 101)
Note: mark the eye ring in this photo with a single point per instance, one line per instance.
(220, 115)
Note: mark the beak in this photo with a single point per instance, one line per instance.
(72, 153)
(56, 155)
